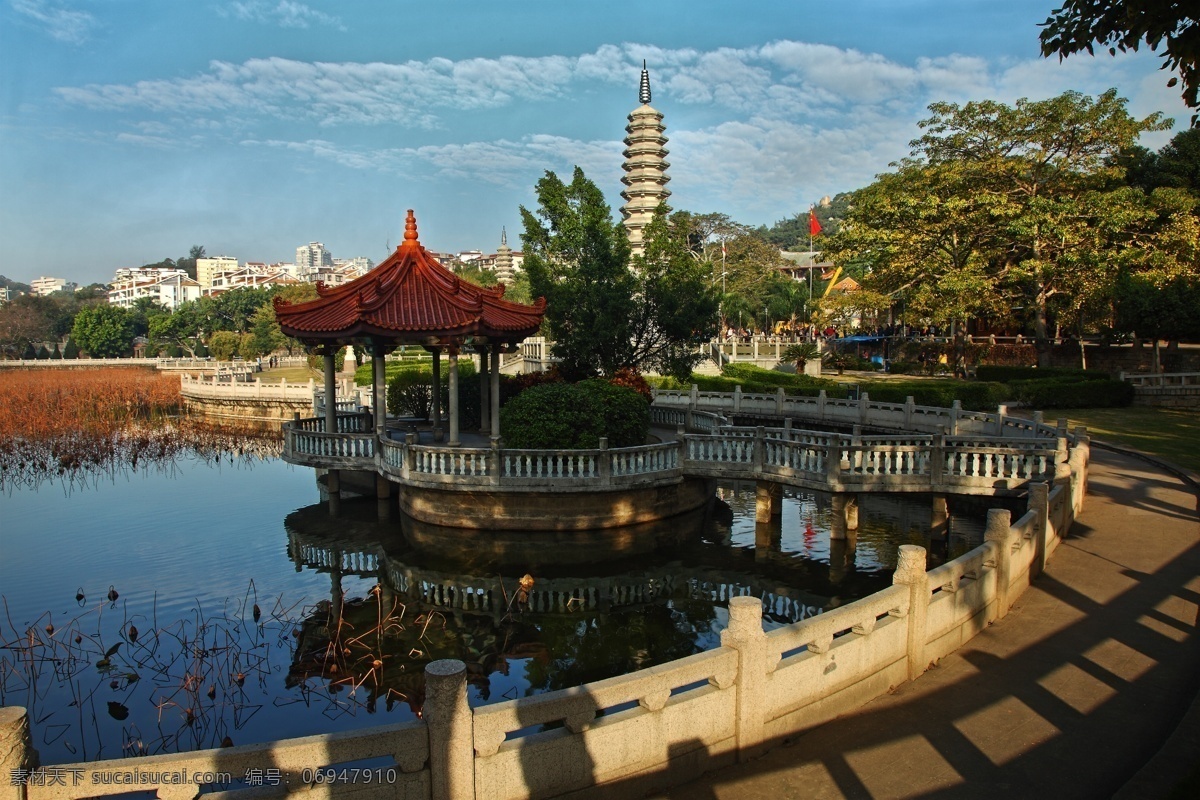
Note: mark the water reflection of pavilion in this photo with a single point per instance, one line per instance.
(496, 595)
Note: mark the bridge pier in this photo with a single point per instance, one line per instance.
(768, 501)
(845, 514)
(383, 498)
(940, 526)
(841, 557)
(768, 538)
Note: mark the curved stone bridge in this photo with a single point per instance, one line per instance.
(944, 451)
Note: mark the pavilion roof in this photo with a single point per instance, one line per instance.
(409, 298)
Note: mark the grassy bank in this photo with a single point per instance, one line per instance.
(1169, 433)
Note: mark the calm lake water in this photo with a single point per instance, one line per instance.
(233, 574)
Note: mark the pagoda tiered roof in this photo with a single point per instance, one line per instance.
(409, 298)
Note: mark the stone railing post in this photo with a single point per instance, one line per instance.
(605, 463)
(955, 413)
(737, 399)
(1062, 464)
(16, 751)
(496, 466)
(694, 396)
(745, 635)
(1001, 413)
(999, 528)
(1038, 418)
(451, 731)
(937, 460)
(758, 457)
(779, 396)
(822, 399)
(689, 419)
(410, 455)
(864, 407)
(833, 463)
(1039, 504)
(910, 407)
(910, 572)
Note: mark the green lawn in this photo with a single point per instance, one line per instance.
(1169, 433)
(293, 375)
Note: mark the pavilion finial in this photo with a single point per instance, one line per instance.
(410, 227)
(644, 89)
(503, 235)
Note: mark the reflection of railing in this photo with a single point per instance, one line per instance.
(492, 595)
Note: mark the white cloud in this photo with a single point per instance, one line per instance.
(763, 130)
(64, 24)
(284, 13)
(501, 162)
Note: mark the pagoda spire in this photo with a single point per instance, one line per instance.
(645, 166)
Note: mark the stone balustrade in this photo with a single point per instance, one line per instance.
(661, 726)
(985, 454)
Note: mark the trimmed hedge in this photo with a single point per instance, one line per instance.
(562, 416)
(974, 395)
(757, 379)
(1010, 374)
(1061, 393)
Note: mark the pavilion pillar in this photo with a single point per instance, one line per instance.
(330, 392)
(454, 441)
(485, 404)
(495, 393)
(437, 393)
(379, 391)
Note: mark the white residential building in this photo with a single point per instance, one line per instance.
(251, 276)
(167, 287)
(45, 286)
(360, 265)
(311, 259)
(206, 268)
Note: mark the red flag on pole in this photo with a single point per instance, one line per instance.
(814, 227)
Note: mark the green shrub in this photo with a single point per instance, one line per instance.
(551, 417)
(904, 367)
(562, 416)
(974, 395)
(1009, 374)
(1061, 393)
(626, 412)
(757, 379)
(410, 394)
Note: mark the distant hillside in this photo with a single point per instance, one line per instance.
(16, 286)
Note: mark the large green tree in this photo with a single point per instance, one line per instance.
(605, 312)
(675, 304)
(577, 258)
(103, 331)
(1006, 210)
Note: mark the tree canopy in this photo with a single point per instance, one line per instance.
(1124, 25)
(103, 331)
(602, 315)
(1014, 213)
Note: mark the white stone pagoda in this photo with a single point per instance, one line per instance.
(504, 260)
(645, 165)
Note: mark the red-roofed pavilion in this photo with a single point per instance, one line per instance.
(410, 298)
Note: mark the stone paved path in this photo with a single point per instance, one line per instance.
(1066, 697)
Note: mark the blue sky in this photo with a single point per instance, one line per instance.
(131, 130)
